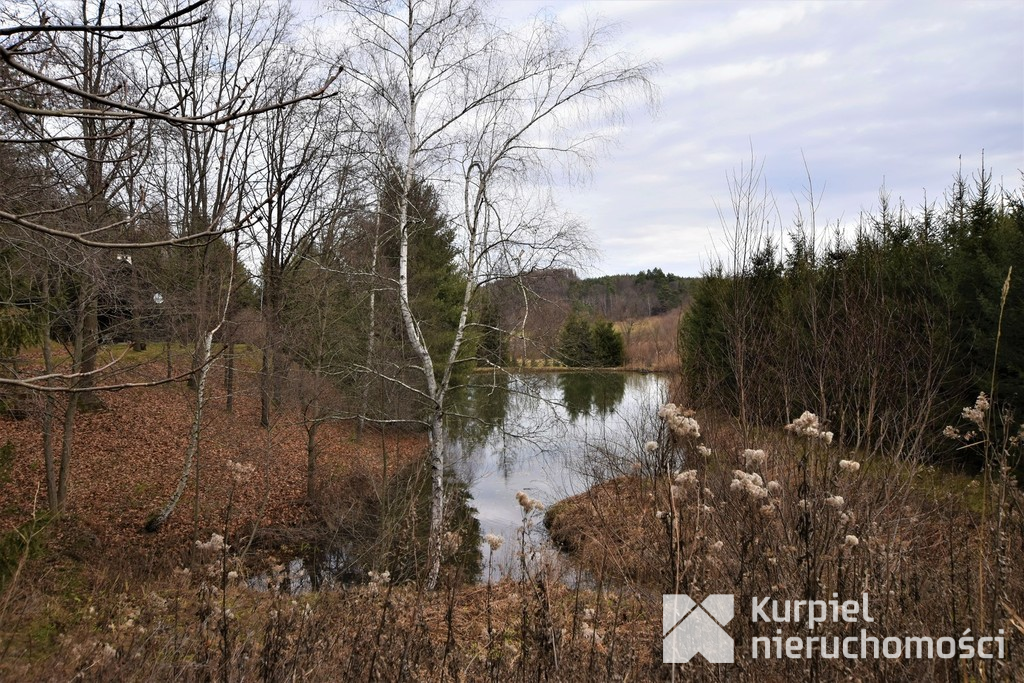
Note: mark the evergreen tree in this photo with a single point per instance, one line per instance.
(490, 340)
(582, 344)
(609, 347)
(576, 342)
(886, 335)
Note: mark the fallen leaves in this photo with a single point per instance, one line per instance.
(127, 459)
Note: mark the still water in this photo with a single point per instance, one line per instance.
(549, 434)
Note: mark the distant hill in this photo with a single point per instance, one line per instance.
(545, 298)
(625, 297)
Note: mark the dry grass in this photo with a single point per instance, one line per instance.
(97, 600)
(191, 630)
(911, 537)
(651, 342)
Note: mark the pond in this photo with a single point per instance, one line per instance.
(551, 435)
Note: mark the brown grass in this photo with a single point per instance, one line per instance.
(651, 342)
(98, 600)
(920, 543)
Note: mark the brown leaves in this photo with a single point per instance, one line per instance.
(127, 460)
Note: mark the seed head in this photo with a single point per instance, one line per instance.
(494, 541)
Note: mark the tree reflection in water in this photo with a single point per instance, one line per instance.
(591, 393)
(539, 432)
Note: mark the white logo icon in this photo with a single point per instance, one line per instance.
(689, 628)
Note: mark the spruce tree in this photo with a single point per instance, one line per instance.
(609, 348)
(576, 342)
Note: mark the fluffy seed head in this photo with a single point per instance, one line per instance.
(494, 541)
(754, 457)
(835, 502)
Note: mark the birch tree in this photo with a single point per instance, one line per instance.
(485, 113)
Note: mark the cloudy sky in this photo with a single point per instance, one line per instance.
(864, 92)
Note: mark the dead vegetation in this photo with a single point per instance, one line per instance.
(799, 517)
(691, 512)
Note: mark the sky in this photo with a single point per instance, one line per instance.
(851, 94)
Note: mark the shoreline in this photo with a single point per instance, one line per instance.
(517, 370)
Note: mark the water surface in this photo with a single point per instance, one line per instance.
(549, 434)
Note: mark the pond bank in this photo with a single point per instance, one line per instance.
(550, 434)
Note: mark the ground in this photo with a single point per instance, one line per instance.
(127, 460)
(95, 597)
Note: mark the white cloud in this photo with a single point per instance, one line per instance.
(865, 92)
(747, 23)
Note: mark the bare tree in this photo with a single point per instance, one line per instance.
(90, 162)
(44, 99)
(84, 95)
(295, 154)
(485, 113)
(204, 177)
(158, 519)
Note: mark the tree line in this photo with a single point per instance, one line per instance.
(886, 331)
(540, 305)
(620, 297)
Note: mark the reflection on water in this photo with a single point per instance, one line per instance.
(549, 434)
(389, 532)
(591, 393)
(312, 571)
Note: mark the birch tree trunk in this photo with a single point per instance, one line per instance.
(157, 521)
(436, 457)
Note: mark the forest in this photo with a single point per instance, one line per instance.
(888, 328)
(268, 280)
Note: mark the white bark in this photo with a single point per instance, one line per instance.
(472, 101)
(192, 451)
(413, 332)
(195, 431)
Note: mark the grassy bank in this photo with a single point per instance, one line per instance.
(686, 505)
(796, 516)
